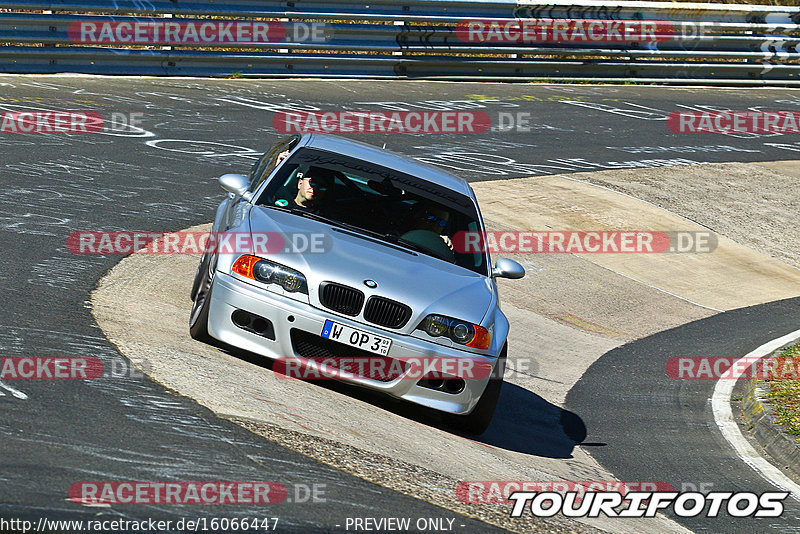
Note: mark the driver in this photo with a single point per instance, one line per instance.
(313, 188)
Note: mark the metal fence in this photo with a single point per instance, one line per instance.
(434, 39)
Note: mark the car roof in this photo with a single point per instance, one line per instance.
(386, 158)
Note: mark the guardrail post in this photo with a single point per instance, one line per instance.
(167, 16)
(52, 28)
(399, 23)
(285, 21)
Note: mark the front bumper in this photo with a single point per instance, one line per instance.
(229, 294)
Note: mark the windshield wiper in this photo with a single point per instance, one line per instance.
(312, 215)
(419, 248)
(306, 214)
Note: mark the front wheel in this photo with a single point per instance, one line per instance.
(198, 320)
(198, 277)
(477, 421)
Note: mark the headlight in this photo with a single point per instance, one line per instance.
(436, 325)
(461, 332)
(268, 272)
(263, 271)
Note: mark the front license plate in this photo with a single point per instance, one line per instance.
(356, 338)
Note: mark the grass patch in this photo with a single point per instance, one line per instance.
(784, 394)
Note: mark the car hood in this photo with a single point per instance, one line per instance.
(425, 284)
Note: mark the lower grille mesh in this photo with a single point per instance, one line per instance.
(349, 359)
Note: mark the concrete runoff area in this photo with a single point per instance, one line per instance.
(731, 277)
(754, 204)
(568, 311)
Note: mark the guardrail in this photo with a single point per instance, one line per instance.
(437, 39)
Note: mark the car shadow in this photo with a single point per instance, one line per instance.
(523, 421)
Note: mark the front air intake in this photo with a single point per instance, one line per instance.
(349, 360)
(385, 312)
(342, 299)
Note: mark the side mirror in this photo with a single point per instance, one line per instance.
(505, 268)
(234, 183)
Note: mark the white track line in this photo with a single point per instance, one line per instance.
(723, 416)
(659, 289)
(15, 392)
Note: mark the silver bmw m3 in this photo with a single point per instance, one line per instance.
(340, 260)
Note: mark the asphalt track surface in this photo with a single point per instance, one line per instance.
(669, 430)
(163, 178)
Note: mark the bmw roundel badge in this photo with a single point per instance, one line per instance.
(372, 284)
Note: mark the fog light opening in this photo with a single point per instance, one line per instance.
(241, 318)
(454, 385)
(435, 383)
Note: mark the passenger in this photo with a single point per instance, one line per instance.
(429, 223)
(433, 219)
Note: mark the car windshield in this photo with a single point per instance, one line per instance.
(383, 203)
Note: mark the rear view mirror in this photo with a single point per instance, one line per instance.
(505, 268)
(234, 183)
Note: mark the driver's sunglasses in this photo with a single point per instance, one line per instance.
(438, 220)
(316, 184)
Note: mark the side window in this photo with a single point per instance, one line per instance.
(258, 165)
(267, 163)
(471, 261)
(281, 194)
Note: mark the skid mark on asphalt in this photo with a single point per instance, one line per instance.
(317, 425)
(574, 320)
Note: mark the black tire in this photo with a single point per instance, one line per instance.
(198, 277)
(477, 421)
(198, 320)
